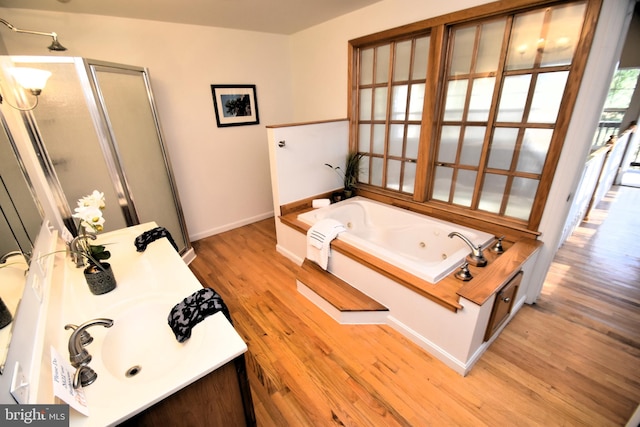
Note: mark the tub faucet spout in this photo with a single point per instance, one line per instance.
(476, 257)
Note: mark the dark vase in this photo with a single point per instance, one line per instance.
(5, 315)
(100, 280)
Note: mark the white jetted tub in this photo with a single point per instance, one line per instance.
(415, 243)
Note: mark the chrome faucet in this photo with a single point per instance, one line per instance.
(476, 257)
(78, 355)
(76, 251)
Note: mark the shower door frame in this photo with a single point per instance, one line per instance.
(86, 73)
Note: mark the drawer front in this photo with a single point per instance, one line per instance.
(502, 305)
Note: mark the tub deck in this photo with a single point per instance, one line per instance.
(447, 292)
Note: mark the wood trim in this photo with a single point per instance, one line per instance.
(305, 123)
(457, 17)
(505, 267)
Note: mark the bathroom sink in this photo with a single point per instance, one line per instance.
(140, 346)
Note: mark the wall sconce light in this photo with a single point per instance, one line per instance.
(31, 79)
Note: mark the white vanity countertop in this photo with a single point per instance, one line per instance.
(149, 284)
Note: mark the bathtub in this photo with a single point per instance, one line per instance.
(416, 243)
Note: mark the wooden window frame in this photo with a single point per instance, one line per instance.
(438, 28)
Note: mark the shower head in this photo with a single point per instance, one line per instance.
(55, 44)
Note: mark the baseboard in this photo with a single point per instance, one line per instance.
(230, 226)
(287, 253)
(431, 348)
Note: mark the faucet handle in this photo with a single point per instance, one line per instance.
(464, 274)
(85, 337)
(497, 248)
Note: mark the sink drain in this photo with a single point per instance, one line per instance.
(133, 371)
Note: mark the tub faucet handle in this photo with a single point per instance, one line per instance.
(464, 274)
(497, 248)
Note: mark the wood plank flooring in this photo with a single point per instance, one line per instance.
(571, 359)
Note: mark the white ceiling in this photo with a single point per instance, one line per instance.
(272, 16)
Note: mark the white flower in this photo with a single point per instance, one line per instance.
(90, 217)
(95, 199)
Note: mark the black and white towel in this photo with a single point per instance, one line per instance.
(193, 310)
(142, 241)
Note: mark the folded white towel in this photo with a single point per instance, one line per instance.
(319, 239)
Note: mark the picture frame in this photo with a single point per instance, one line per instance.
(235, 105)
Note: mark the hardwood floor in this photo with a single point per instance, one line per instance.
(573, 358)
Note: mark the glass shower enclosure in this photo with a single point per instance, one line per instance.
(96, 127)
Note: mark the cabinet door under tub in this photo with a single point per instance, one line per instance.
(502, 305)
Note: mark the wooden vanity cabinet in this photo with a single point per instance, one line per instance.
(221, 398)
(502, 305)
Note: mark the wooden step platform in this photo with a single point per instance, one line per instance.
(337, 298)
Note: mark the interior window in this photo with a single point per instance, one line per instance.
(391, 93)
(484, 144)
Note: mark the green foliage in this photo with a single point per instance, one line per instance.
(99, 253)
(349, 176)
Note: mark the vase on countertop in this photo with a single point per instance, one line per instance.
(100, 279)
(5, 315)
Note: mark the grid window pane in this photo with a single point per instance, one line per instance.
(563, 34)
(502, 146)
(413, 139)
(523, 46)
(376, 171)
(364, 138)
(366, 66)
(448, 144)
(492, 193)
(380, 103)
(402, 61)
(533, 153)
(481, 99)
(378, 139)
(399, 102)
(421, 58)
(408, 183)
(515, 90)
(382, 63)
(472, 145)
(465, 182)
(547, 96)
(396, 137)
(442, 184)
(456, 97)
(523, 192)
(464, 39)
(365, 104)
(417, 101)
(393, 174)
(489, 50)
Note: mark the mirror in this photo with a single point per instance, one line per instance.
(20, 221)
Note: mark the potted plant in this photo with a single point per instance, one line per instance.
(98, 274)
(349, 175)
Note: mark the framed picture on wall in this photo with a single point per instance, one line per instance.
(235, 105)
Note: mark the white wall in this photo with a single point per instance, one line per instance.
(320, 54)
(222, 173)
